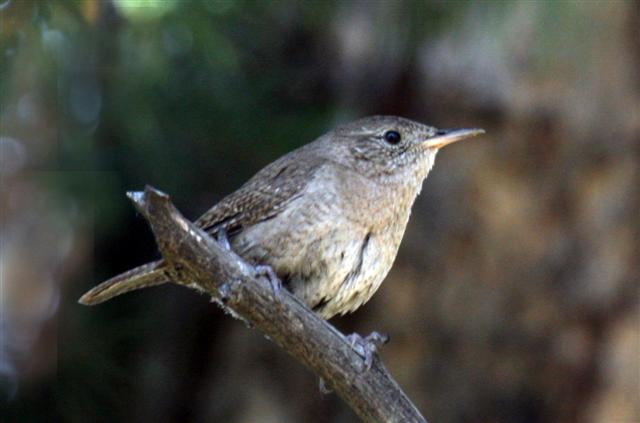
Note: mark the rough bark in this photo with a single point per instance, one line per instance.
(199, 262)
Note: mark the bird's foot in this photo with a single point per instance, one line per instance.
(222, 236)
(274, 281)
(368, 346)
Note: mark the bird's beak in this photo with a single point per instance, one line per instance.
(447, 136)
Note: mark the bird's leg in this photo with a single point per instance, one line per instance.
(222, 236)
(367, 346)
(274, 281)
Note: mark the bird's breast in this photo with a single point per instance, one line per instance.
(333, 245)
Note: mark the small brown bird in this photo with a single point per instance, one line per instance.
(328, 217)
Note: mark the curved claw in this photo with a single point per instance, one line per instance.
(223, 239)
(368, 346)
(274, 281)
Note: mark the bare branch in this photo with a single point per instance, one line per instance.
(201, 263)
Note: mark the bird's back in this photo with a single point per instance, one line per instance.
(266, 194)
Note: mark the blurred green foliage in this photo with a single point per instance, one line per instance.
(500, 304)
(189, 96)
(180, 94)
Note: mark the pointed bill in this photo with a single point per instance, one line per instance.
(447, 136)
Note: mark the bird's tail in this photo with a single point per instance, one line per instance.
(150, 274)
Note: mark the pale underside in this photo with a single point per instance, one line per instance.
(337, 237)
(327, 255)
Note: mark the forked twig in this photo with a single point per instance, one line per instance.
(199, 262)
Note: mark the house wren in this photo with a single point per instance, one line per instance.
(327, 218)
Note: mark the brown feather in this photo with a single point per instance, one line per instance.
(266, 194)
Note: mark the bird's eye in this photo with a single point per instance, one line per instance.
(392, 137)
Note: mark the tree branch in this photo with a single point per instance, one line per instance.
(199, 262)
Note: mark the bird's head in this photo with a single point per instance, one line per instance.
(388, 147)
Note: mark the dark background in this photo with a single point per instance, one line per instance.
(514, 297)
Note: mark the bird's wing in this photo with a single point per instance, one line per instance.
(264, 195)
